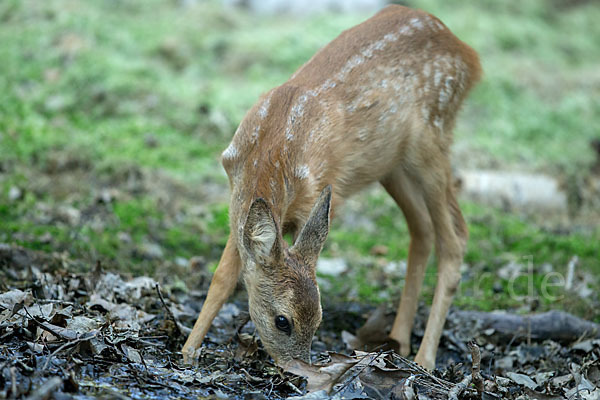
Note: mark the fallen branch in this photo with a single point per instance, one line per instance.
(556, 325)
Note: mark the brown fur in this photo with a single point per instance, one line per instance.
(376, 104)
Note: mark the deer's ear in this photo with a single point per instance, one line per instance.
(261, 239)
(313, 234)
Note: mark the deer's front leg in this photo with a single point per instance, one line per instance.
(222, 285)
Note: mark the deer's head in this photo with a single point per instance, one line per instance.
(283, 296)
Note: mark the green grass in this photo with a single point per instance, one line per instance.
(105, 95)
(87, 75)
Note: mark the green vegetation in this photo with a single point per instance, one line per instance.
(113, 115)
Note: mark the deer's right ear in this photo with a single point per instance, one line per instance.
(313, 234)
(260, 239)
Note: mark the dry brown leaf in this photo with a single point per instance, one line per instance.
(371, 369)
(321, 377)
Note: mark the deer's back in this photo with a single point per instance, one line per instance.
(374, 97)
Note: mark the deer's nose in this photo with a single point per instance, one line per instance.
(304, 356)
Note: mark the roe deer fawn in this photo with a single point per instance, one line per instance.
(378, 103)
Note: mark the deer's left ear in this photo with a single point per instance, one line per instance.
(313, 234)
(261, 238)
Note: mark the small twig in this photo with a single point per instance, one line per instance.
(293, 387)
(167, 309)
(511, 341)
(422, 371)
(348, 381)
(64, 346)
(459, 388)
(476, 356)
(55, 301)
(150, 344)
(143, 361)
(156, 337)
(489, 369)
(578, 391)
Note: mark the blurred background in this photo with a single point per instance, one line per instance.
(113, 115)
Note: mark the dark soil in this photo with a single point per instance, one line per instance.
(66, 334)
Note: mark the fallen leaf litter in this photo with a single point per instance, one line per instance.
(66, 334)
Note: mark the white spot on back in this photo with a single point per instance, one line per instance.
(297, 111)
(328, 84)
(446, 92)
(431, 23)
(255, 134)
(416, 23)
(405, 30)
(355, 61)
(390, 37)
(230, 152)
(302, 171)
(363, 133)
(366, 52)
(263, 111)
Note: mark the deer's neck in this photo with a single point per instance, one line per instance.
(289, 197)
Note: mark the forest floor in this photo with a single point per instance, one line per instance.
(68, 334)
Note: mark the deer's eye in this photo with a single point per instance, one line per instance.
(283, 324)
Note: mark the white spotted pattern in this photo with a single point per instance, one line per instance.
(302, 171)
(263, 111)
(416, 23)
(230, 152)
(255, 135)
(446, 92)
(297, 110)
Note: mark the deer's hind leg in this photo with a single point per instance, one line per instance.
(408, 194)
(450, 242)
